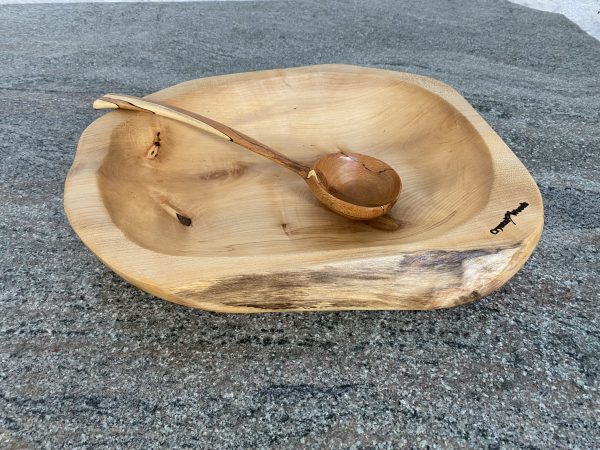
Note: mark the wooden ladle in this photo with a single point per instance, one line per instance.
(356, 186)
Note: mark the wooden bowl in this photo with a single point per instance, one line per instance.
(468, 217)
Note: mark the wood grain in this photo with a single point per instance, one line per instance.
(189, 217)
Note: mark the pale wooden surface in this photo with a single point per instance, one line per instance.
(259, 241)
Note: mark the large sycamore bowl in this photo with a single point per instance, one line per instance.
(469, 215)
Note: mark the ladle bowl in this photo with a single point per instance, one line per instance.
(356, 186)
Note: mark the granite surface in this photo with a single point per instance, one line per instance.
(88, 361)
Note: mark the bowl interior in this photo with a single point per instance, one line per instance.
(242, 204)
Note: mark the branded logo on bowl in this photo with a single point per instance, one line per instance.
(507, 218)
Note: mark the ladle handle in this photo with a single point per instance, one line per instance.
(121, 101)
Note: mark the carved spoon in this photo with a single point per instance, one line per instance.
(356, 186)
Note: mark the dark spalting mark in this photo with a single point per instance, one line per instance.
(184, 220)
(366, 276)
(221, 174)
(290, 304)
(272, 282)
(275, 291)
(288, 289)
(443, 260)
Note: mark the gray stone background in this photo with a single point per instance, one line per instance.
(86, 360)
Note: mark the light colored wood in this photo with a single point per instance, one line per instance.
(468, 218)
(356, 186)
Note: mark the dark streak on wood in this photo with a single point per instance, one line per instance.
(285, 290)
(442, 260)
(231, 172)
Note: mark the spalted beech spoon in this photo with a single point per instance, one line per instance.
(356, 186)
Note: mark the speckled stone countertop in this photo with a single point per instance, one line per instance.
(88, 361)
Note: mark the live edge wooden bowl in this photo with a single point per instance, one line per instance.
(468, 218)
